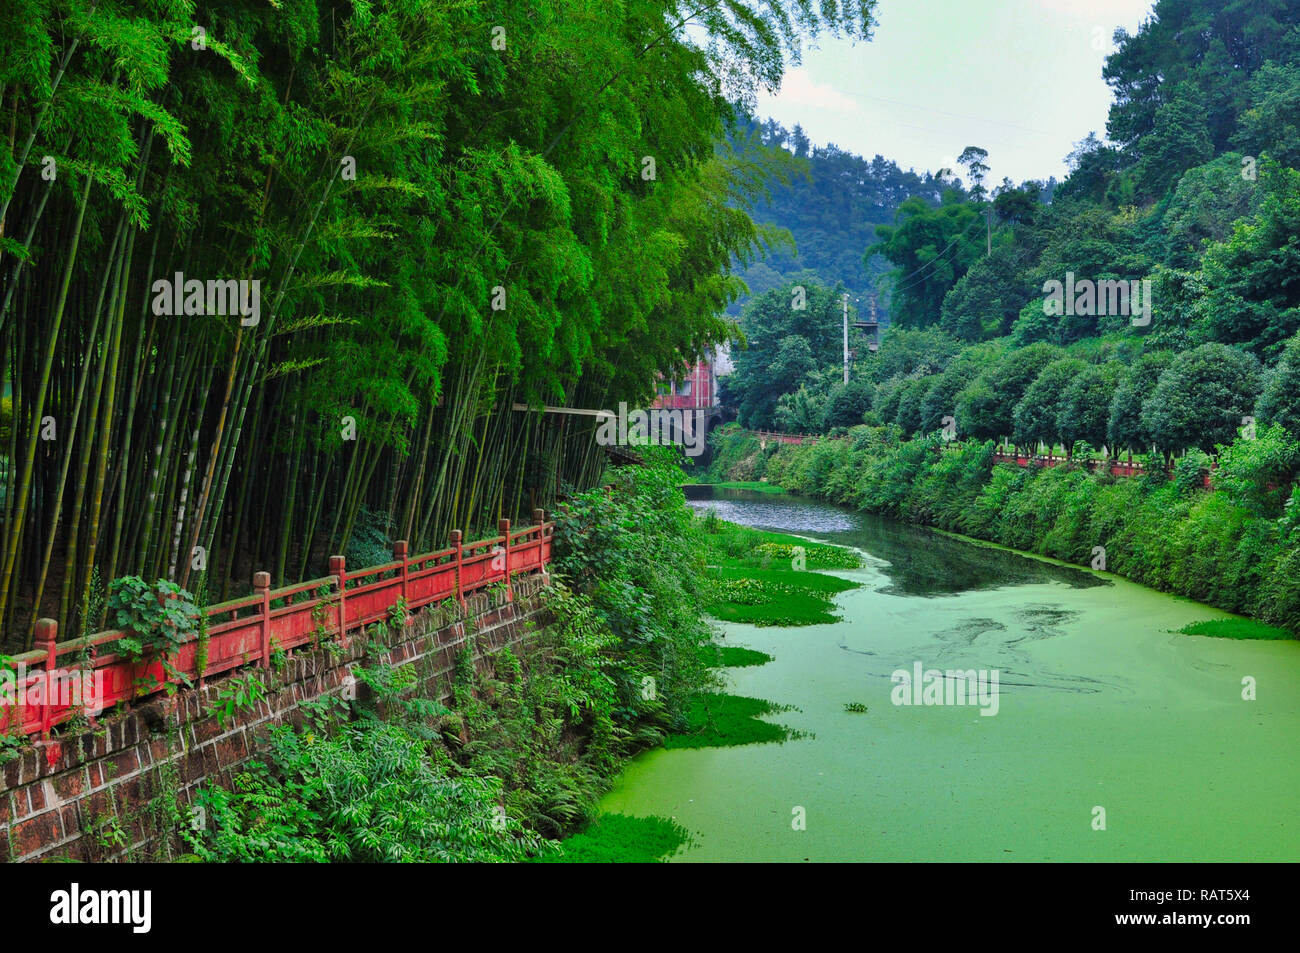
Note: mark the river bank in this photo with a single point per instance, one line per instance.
(1236, 547)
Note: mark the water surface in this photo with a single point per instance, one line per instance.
(1101, 704)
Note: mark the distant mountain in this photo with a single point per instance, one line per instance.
(832, 212)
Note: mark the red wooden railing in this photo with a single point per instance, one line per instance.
(1122, 468)
(792, 438)
(38, 694)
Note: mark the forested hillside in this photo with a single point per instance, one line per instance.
(830, 204)
(1150, 309)
(1151, 303)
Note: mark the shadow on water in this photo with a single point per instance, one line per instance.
(920, 562)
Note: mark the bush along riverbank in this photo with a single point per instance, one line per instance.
(654, 571)
(514, 767)
(1236, 546)
(531, 737)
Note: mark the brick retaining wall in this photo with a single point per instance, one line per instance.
(59, 798)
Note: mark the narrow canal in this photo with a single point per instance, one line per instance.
(1101, 707)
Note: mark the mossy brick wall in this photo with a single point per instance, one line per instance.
(137, 771)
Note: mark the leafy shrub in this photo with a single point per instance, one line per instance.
(369, 794)
(160, 619)
(637, 555)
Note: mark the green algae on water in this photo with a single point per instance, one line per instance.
(1106, 706)
(732, 656)
(1236, 629)
(621, 839)
(720, 720)
(765, 578)
(754, 485)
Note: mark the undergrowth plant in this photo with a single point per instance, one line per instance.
(636, 554)
(238, 693)
(362, 790)
(158, 620)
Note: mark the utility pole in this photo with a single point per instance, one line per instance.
(846, 337)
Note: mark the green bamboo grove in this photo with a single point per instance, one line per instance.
(272, 274)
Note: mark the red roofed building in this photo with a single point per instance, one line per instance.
(696, 391)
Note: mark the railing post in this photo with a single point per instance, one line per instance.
(539, 520)
(262, 585)
(47, 636)
(503, 527)
(339, 569)
(401, 550)
(460, 555)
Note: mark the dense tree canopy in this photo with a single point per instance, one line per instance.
(986, 409)
(790, 332)
(1034, 419)
(1280, 401)
(1177, 234)
(1202, 399)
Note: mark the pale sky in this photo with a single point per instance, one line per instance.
(1020, 78)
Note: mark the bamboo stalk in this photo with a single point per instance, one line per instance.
(25, 481)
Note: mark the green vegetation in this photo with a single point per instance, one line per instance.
(1236, 547)
(720, 720)
(734, 656)
(831, 210)
(520, 756)
(763, 578)
(159, 619)
(1142, 309)
(773, 597)
(529, 741)
(318, 801)
(1174, 247)
(793, 336)
(755, 485)
(620, 839)
(238, 693)
(278, 273)
(746, 546)
(1236, 629)
(634, 553)
(734, 452)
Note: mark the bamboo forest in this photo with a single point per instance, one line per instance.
(441, 227)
